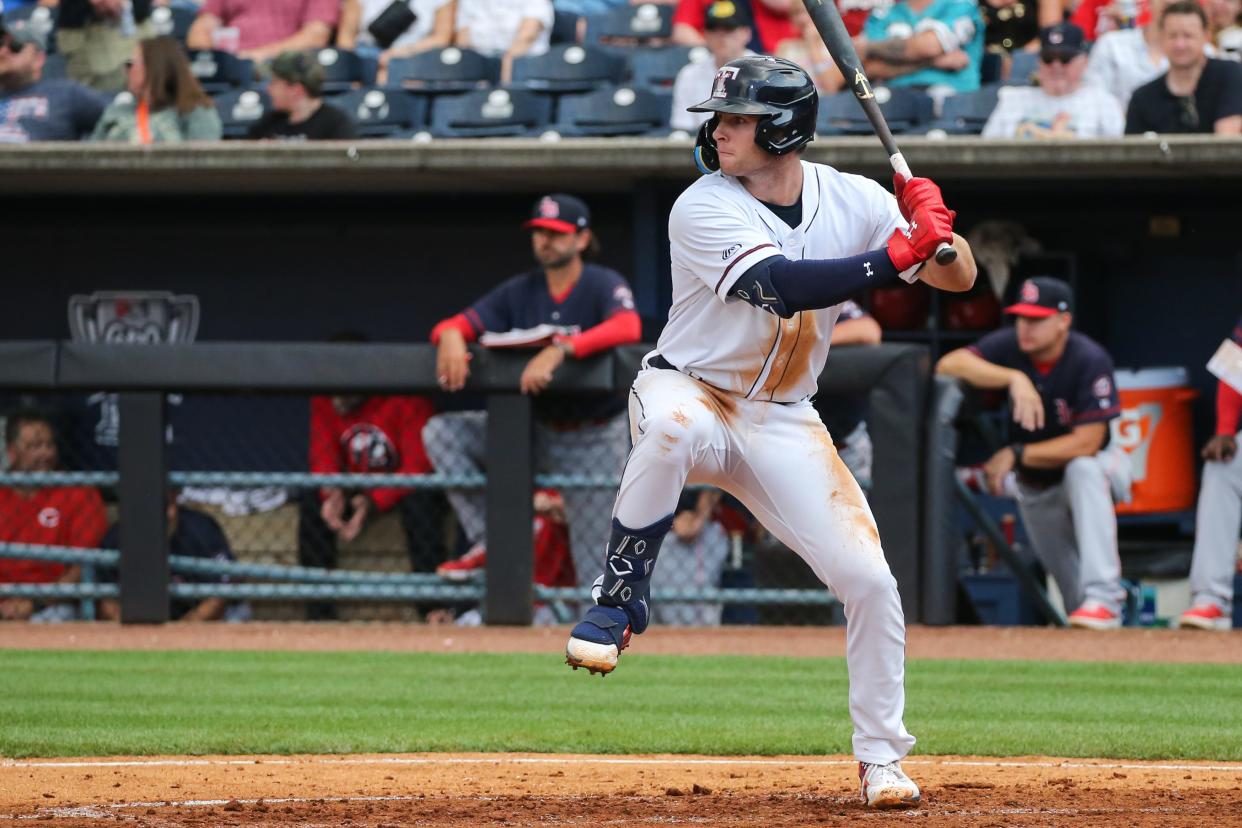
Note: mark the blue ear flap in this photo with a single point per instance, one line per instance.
(705, 157)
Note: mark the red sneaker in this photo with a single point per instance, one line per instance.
(1206, 617)
(467, 566)
(1094, 616)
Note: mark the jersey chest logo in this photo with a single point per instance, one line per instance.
(1063, 412)
(367, 447)
(49, 517)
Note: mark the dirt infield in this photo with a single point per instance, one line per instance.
(540, 790)
(1138, 644)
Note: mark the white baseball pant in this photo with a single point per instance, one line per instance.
(1217, 520)
(779, 461)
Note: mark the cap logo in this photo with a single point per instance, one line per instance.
(723, 8)
(548, 208)
(1056, 38)
(1030, 292)
(723, 76)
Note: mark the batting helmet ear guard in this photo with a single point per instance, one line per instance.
(705, 157)
(777, 90)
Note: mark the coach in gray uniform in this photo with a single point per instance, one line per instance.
(1063, 394)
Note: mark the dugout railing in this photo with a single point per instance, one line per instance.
(895, 378)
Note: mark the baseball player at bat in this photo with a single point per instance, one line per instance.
(764, 250)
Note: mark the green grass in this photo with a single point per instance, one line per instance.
(105, 703)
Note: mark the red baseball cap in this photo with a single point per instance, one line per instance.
(560, 213)
(1042, 296)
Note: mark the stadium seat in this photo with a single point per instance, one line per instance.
(489, 113)
(990, 67)
(240, 109)
(659, 67)
(444, 70)
(904, 109)
(173, 20)
(381, 113)
(220, 71)
(635, 25)
(967, 112)
(564, 28)
(621, 110)
(344, 70)
(568, 69)
(1023, 69)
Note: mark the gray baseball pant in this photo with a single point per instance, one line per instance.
(456, 443)
(1073, 528)
(1217, 520)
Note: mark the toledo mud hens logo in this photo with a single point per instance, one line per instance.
(367, 448)
(726, 74)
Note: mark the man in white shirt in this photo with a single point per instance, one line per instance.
(764, 250)
(1124, 59)
(1062, 106)
(506, 29)
(726, 29)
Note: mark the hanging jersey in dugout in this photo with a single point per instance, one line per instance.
(718, 231)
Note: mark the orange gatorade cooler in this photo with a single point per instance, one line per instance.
(1155, 429)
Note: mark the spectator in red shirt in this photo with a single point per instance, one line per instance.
(368, 435)
(265, 28)
(772, 24)
(48, 515)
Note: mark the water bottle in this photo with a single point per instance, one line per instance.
(1147, 607)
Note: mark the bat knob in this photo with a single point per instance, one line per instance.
(945, 255)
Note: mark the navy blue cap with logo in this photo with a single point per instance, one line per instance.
(561, 213)
(1042, 296)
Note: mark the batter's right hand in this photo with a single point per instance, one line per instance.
(1028, 406)
(930, 226)
(1221, 448)
(452, 361)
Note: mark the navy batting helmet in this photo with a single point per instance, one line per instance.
(777, 90)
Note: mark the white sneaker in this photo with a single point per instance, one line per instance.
(887, 786)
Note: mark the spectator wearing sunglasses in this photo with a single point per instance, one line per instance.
(33, 108)
(1062, 106)
(1198, 93)
(164, 102)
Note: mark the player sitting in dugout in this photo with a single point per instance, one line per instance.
(591, 309)
(1069, 476)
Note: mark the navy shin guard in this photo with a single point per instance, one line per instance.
(631, 559)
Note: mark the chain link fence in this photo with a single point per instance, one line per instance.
(386, 485)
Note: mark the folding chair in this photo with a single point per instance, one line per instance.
(621, 110)
(344, 70)
(382, 113)
(659, 67)
(240, 109)
(567, 69)
(488, 113)
(220, 71)
(444, 71)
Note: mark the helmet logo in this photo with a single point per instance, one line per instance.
(723, 76)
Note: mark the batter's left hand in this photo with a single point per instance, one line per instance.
(997, 468)
(538, 372)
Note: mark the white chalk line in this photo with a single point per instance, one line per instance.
(597, 760)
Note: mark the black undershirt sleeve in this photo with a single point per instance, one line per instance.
(784, 287)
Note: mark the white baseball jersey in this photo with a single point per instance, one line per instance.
(717, 231)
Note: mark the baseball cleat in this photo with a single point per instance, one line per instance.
(1093, 615)
(596, 643)
(887, 786)
(1205, 617)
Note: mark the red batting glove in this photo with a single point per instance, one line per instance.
(914, 193)
(929, 226)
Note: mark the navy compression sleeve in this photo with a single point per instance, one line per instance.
(781, 286)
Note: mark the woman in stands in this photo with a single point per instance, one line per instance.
(164, 104)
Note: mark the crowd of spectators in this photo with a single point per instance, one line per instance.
(1052, 58)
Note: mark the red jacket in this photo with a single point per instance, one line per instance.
(384, 435)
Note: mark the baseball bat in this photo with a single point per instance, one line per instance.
(831, 29)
